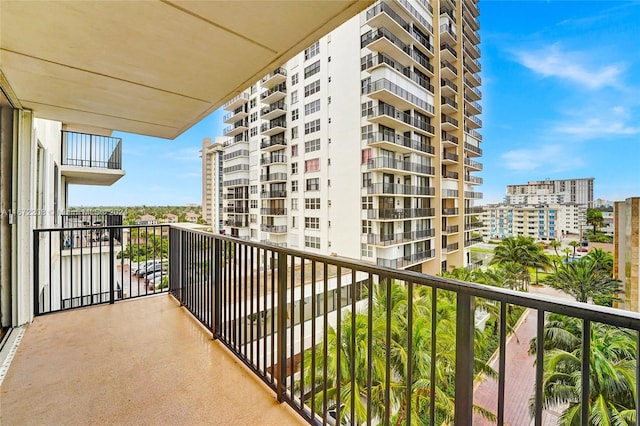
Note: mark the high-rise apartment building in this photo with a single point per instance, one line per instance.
(579, 191)
(211, 155)
(626, 264)
(366, 144)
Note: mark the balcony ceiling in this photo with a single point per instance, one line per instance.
(150, 67)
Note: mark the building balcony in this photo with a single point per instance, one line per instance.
(236, 223)
(471, 241)
(373, 61)
(448, 174)
(448, 70)
(473, 194)
(274, 94)
(273, 194)
(398, 143)
(448, 140)
(450, 211)
(472, 65)
(448, 105)
(448, 52)
(472, 150)
(274, 229)
(448, 34)
(474, 210)
(471, 20)
(235, 182)
(399, 120)
(471, 121)
(471, 50)
(273, 159)
(384, 41)
(406, 261)
(273, 211)
(449, 248)
(400, 189)
(472, 106)
(419, 16)
(471, 35)
(238, 141)
(90, 159)
(448, 230)
(273, 127)
(390, 93)
(448, 123)
(474, 180)
(449, 158)
(474, 134)
(399, 167)
(273, 177)
(235, 115)
(473, 225)
(450, 193)
(273, 143)
(473, 79)
(400, 238)
(471, 92)
(472, 6)
(236, 101)
(278, 76)
(238, 127)
(236, 210)
(275, 110)
(399, 214)
(222, 322)
(383, 15)
(448, 87)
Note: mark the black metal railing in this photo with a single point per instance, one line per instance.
(291, 317)
(78, 266)
(87, 150)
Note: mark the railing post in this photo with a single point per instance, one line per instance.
(464, 359)
(217, 283)
(36, 272)
(282, 325)
(112, 267)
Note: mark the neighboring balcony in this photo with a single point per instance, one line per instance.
(400, 167)
(235, 115)
(408, 260)
(400, 189)
(274, 229)
(274, 94)
(275, 110)
(237, 101)
(238, 127)
(273, 127)
(399, 238)
(399, 214)
(276, 77)
(91, 159)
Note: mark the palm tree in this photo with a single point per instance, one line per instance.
(584, 281)
(575, 245)
(567, 252)
(594, 218)
(521, 250)
(555, 244)
(602, 259)
(612, 372)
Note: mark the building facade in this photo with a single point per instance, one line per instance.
(544, 222)
(365, 144)
(579, 191)
(211, 154)
(626, 238)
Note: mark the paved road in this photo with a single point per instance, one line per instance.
(519, 374)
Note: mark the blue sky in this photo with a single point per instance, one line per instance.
(561, 99)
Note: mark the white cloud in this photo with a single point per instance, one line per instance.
(185, 154)
(548, 158)
(553, 62)
(596, 128)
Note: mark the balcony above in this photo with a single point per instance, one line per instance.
(91, 159)
(276, 77)
(237, 128)
(237, 101)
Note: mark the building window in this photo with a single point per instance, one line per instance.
(366, 226)
(294, 186)
(313, 145)
(312, 50)
(312, 69)
(253, 117)
(294, 150)
(294, 225)
(311, 242)
(366, 250)
(366, 179)
(252, 103)
(253, 218)
(312, 223)
(367, 108)
(366, 155)
(312, 165)
(294, 79)
(312, 126)
(254, 131)
(294, 204)
(294, 132)
(367, 203)
(311, 88)
(294, 97)
(254, 204)
(312, 107)
(294, 114)
(294, 168)
(312, 203)
(313, 184)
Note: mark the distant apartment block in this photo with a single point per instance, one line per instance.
(626, 239)
(366, 144)
(579, 191)
(542, 222)
(212, 202)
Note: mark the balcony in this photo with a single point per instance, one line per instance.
(276, 77)
(474, 180)
(448, 105)
(235, 115)
(473, 194)
(449, 248)
(382, 15)
(273, 211)
(274, 194)
(236, 101)
(446, 211)
(238, 127)
(390, 93)
(400, 238)
(398, 143)
(448, 230)
(399, 120)
(448, 140)
(448, 52)
(373, 61)
(472, 79)
(419, 18)
(399, 214)
(448, 34)
(274, 229)
(273, 127)
(273, 177)
(273, 143)
(471, 121)
(472, 106)
(448, 87)
(274, 94)
(474, 210)
(473, 150)
(450, 158)
(448, 174)
(472, 92)
(91, 159)
(448, 123)
(400, 189)
(448, 70)
(275, 110)
(273, 159)
(384, 41)
(399, 166)
(255, 311)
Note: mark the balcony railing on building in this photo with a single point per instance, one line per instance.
(94, 151)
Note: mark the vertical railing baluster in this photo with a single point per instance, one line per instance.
(112, 267)
(539, 366)
(36, 271)
(409, 377)
(282, 325)
(432, 379)
(464, 359)
(585, 373)
(502, 361)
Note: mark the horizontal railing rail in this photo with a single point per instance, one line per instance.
(78, 266)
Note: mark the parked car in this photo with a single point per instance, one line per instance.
(154, 276)
(138, 267)
(150, 268)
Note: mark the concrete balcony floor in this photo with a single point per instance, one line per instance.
(144, 361)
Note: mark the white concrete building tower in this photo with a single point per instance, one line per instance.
(366, 143)
(211, 154)
(578, 191)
